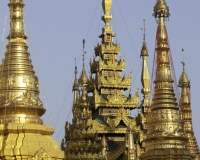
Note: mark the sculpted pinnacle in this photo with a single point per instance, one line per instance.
(185, 106)
(164, 122)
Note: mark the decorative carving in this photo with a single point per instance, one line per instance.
(110, 64)
(114, 81)
(24, 100)
(41, 155)
(115, 100)
(27, 80)
(121, 116)
(11, 80)
(102, 49)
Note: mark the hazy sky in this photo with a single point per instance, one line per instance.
(56, 29)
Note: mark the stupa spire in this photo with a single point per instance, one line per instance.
(165, 134)
(185, 105)
(20, 105)
(145, 78)
(19, 85)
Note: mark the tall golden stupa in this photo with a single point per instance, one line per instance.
(22, 133)
(102, 127)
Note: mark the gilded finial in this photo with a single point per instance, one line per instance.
(83, 80)
(144, 51)
(144, 29)
(184, 78)
(161, 12)
(107, 4)
(83, 44)
(75, 72)
(183, 63)
(183, 54)
(83, 55)
(75, 86)
(107, 35)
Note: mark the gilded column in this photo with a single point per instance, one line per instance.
(185, 106)
(165, 136)
(22, 133)
(131, 147)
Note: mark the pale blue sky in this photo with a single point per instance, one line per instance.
(56, 29)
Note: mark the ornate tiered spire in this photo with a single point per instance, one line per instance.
(165, 135)
(22, 130)
(185, 106)
(109, 107)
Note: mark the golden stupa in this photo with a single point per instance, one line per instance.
(22, 133)
(102, 127)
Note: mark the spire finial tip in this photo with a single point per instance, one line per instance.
(144, 29)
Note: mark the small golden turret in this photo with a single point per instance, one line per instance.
(185, 106)
(165, 134)
(22, 134)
